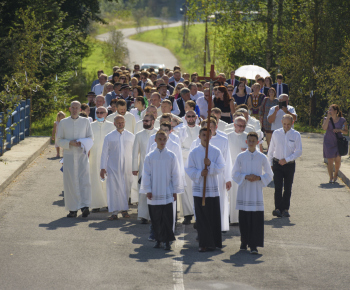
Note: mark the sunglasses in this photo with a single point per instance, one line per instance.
(192, 116)
(99, 113)
(146, 121)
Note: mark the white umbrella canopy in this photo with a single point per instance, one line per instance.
(250, 71)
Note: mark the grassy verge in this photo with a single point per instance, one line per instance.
(191, 57)
(44, 126)
(308, 129)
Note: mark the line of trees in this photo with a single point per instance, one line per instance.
(307, 41)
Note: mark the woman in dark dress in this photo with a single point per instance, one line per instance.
(330, 145)
(225, 103)
(241, 95)
(267, 86)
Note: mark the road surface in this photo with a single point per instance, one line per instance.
(42, 249)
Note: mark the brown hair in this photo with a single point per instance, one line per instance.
(227, 98)
(121, 102)
(335, 107)
(253, 134)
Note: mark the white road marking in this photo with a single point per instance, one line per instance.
(177, 261)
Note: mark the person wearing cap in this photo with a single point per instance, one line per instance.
(125, 90)
(162, 90)
(276, 113)
(91, 99)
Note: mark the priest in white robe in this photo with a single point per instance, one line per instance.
(161, 182)
(100, 128)
(237, 144)
(208, 217)
(152, 110)
(139, 153)
(116, 161)
(192, 132)
(76, 173)
(248, 173)
(122, 110)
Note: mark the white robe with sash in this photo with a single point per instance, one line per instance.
(76, 173)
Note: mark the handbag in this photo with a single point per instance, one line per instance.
(343, 144)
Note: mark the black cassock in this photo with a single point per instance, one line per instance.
(208, 220)
(251, 225)
(162, 219)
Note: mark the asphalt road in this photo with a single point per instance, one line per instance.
(142, 52)
(42, 249)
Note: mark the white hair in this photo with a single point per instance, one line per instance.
(282, 96)
(240, 118)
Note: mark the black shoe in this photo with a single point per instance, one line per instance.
(144, 221)
(254, 251)
(210, 249)
(243, 247)
(187, 220)
(72, 214)
(167, 246)
(85, 211)
(286, 213)
(95, 210)
(157, 245)
(276, 213)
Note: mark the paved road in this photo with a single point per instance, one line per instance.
(142, 52)
(41, 249)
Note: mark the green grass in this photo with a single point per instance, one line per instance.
(44, 126)
(190, 58)
(308, 129)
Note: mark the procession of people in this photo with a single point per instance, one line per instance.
(176, 148)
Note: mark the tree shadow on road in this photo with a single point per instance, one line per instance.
(63, 222)
(279, 223)
(331, 185)
(242, 258)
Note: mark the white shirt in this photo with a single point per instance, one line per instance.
(277, 124)
(161, 177)
(196, 96)
(98, 89)
(173, 137)
(285, 145)
(249, 194)
(196, 165)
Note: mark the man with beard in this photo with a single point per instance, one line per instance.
(139, 153)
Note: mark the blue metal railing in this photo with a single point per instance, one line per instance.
(17, 126)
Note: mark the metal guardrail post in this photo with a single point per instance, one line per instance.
(22, 120)
(16, 120)
(2, 130)
(27, 117)
(8, 129)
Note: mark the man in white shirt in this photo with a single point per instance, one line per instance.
(276, 113)
(98, 89)
(202, 103)
(195, 94)
(161, 182)
(286, 148)
(208, 217)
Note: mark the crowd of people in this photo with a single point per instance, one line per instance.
(141, 138)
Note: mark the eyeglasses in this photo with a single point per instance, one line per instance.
(99, 113)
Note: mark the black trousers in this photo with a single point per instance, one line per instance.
(162, 222)
(283, 178)
(208, 219)
(251, 225)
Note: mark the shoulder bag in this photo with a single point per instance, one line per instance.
(343, 144)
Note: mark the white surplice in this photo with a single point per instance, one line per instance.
(187, 197)
(237, 142)
(76, 173)
(129, 120)
(173, 137)
(222, 144)
(195, 166)
(139, 153)
(116, 158)
(161, 177)
(98, 188)
(250, 194)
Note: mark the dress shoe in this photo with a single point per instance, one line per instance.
(167, 246)
(286, 213)
(243, 247)
(85, 211)
(277, 213)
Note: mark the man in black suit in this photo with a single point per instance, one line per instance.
(232, 80)
(170, 88)
(280, 87)
(185, 95)
(125, 89)
(100, 100)
(144, 80)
